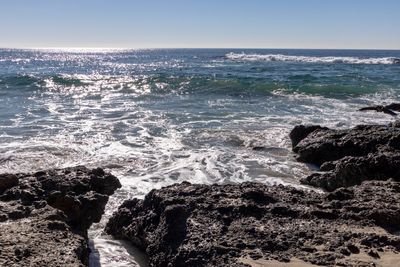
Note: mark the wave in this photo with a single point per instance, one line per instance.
(19, 80)
(25, 80)
(311, 59)
(156, 86)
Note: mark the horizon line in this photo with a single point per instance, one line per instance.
(75, 48)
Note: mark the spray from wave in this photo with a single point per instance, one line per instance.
(311, 59)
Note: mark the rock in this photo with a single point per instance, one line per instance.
(353, 249)
(251, 223)
(7, 181)
(44, 216)
(323, 145)
(302, 131)
(350, 171)
(373, 254)
(348, 157)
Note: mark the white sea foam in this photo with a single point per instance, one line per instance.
(311, 59)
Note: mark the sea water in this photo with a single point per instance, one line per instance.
(158, 117)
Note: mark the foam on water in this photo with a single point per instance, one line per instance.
(311, 59)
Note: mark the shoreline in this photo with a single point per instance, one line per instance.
(241, 218)
(367, 227)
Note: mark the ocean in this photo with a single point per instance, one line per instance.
(155, 117)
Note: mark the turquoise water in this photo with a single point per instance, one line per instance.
(156, 117)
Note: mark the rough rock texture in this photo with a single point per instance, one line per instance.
(44, 216)
(348, 157)
(301, 131)
(252, 224)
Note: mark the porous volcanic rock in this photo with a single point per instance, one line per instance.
(348, 157)
(253, 224)
(44, 216)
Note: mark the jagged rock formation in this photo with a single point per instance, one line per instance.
(252, 224)
(44, 216)
(348, 157)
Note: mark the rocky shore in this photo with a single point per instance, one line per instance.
(355, 223)
(348, 157)
(44, 216)
(253, 224)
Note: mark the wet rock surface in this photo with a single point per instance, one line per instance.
(348, 157)
(44, 216)
(253, 224)
(355, 223)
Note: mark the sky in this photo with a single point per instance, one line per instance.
(333, 24)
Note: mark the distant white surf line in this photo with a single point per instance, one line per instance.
(311, 59)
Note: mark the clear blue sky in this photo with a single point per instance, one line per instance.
(201, 23)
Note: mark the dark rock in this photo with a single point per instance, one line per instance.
(345, 251)
(353, 248)
(341, 194)
(233, 225)
(348, 157)
(302, 131)
(7, 181)
(325, 145)
(45, 215)
(374, 254)
(353, 170)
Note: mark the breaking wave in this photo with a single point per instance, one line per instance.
(311, 59)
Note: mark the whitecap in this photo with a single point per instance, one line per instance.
(311, 59)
